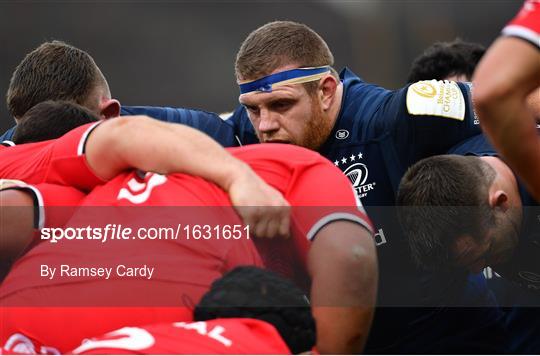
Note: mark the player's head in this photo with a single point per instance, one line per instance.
(460, 211)
(251, 292)
(58, 71)
(454, 60)
(49, 120)
(303, 109)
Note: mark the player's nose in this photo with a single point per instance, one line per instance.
(267, 121)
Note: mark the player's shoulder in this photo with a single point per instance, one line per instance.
(286, 153)
(170, 114)
(477, 145)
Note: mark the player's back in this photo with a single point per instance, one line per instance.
(87, 270)
(219, 336)
(136, 252)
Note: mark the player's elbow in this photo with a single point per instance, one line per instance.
(490, 98)
(485, 97)
(351, 248)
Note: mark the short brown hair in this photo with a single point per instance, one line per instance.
(277, 44)
(53, 71)
(441, 198)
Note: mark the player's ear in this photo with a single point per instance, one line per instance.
(109, 108)
(499, 199)
(327, 91)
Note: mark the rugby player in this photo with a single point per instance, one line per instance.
(486, 218)
(247, 311)
(58, 71)
(342, 292)
(290, 93)
(505, 79)
(455, 60)
(370, 133)
(95, 153)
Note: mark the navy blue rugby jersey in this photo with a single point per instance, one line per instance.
(8, 135)
(207, 122)
(377, 135)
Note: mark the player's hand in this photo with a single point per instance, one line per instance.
(260, 206)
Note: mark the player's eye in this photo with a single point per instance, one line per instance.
(252, 109)
(282, 105)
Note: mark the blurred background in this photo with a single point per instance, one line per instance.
(181, 53)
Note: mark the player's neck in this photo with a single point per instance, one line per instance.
(335, 107)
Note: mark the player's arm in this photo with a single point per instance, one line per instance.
(343, 265)
(25, 209)
(150, 145)
(504, 79)
(16, 223)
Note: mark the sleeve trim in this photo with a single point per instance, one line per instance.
(81, 148)
(523, 33)
(39, 213)
(335, 217)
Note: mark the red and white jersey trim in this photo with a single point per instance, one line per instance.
(6, 184)
(522, 32)
(526, 24)
(84, 138)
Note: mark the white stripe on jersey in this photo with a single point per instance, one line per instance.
(335, 217)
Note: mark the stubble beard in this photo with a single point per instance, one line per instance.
(317, 129)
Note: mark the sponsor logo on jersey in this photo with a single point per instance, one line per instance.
(425, 89)
(436, 98)
(22, 345)
(357, 173)
(342, 134)
(137, 192)
(379, 238)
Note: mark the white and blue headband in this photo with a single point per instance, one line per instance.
(292, 76)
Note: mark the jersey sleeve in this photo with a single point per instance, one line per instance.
(61, 161)
(53, 204)
(67, 161)
(428, 118)
(207, 122)
(526, 24)
(321, 194)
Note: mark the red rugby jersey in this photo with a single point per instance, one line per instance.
(219, 337)
(61, 161)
